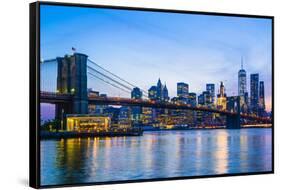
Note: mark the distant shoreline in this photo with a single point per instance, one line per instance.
(188, 129)
(59, 135)
(62, 135)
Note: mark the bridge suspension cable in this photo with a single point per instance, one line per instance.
(117, 82)
(123, 80)
(92, 75)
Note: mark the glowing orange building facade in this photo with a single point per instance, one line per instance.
(87, 123)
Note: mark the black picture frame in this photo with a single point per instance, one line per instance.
(34, 91)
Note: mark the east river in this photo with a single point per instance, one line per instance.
(156, 154)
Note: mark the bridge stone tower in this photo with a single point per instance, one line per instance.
(233, 104)
(72, 79)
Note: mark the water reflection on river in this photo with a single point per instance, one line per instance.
(157, 154)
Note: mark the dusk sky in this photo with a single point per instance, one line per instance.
(143, 46)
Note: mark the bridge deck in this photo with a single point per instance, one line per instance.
(48, 97)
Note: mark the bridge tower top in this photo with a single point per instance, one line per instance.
(72, 79)
(72, 73)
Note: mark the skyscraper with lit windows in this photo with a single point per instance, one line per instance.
(182, 90)
(254, 93)
(136, 93)
(221, 98)
(159, 90)
(211, 89)
(242, 81)
(261, 97)
(165, 93)
(152, 93)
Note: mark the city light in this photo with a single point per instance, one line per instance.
(187, 110)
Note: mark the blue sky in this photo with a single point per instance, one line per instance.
(143, 46)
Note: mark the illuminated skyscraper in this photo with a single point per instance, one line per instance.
(261, 96)
(136, 111)
(182, 90)
(221, 98)
(192, 99)
(254, 93)
(159, 90)
(211, 89)
(152, 93)
(124, 118)
(242, 81)
(165, 93)
(201, 99)
(246, 98)
(136, 93)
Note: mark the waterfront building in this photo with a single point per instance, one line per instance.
(124, 118)
(182, 90)
(242, 80)
(147, 116)
(221, 97)
(136, 115)
(87, 123)
(211, 89)
(254, 93)
(113, 114)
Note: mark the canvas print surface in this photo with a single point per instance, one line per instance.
(137, 95)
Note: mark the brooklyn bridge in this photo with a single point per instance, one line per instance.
(71, 93)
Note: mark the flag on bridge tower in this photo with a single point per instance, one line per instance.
(73, 49)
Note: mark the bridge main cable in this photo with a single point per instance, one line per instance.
(119, 83)
(123, 80)
(110, 78)
(91, 74)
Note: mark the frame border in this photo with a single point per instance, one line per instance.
(34, 92)
(34, 88)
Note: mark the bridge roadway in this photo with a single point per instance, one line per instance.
(56, 98)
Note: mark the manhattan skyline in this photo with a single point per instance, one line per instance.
(195, 49)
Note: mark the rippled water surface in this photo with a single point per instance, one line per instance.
(157, 154)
